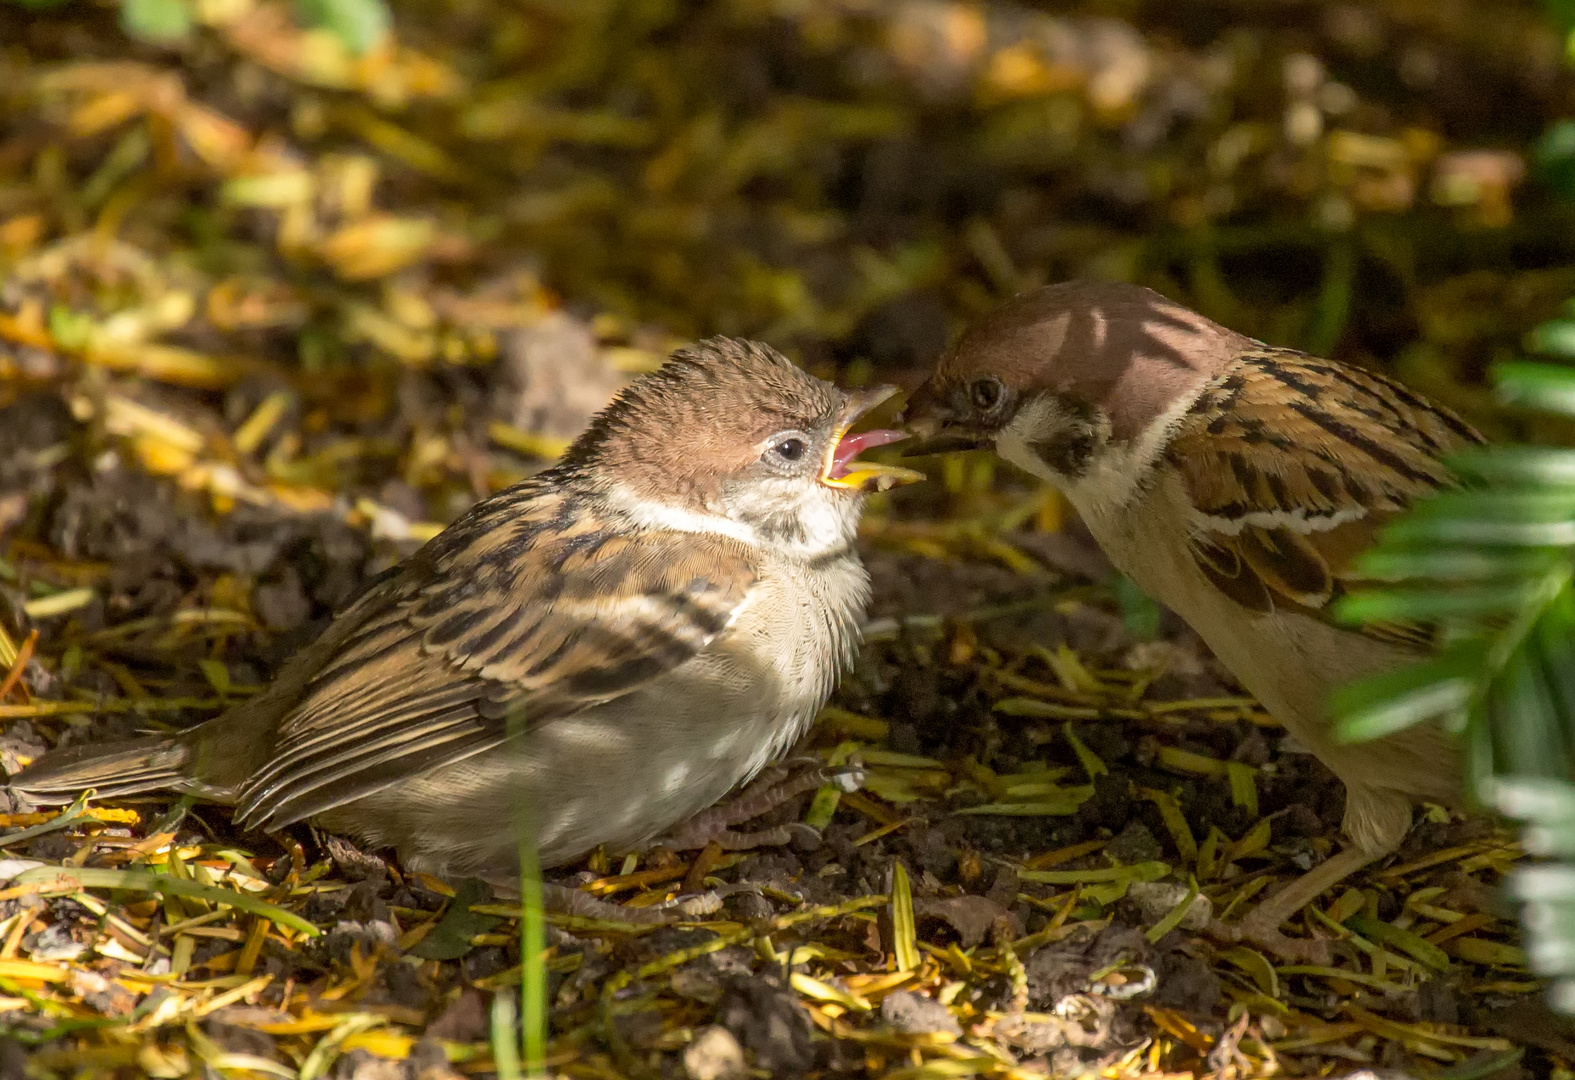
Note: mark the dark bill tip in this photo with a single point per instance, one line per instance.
(944, 443)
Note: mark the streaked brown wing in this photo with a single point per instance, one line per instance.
(521, 613)
(1294, 464)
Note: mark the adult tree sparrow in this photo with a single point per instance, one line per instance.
(609, 647)
(1235, 483)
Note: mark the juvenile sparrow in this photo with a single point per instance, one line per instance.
(1235, 483)
(599, 652)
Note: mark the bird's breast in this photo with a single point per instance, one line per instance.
(1288, 659)
(802, 624)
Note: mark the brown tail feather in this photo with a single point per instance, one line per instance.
(112, 769)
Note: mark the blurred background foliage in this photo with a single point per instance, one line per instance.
(304, 191)
(249, 209)
(844, 177)
(1494, 565)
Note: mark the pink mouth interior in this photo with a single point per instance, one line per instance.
(851, 446)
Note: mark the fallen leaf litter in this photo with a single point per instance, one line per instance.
(215, 425)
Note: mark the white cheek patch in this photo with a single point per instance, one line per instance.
(1014, 442)
(1116, 470)
(651, 514)
(828, 520)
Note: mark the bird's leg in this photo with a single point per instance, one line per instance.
(1377, 822)
(775, 787)
(1261, 927)
(562, 900)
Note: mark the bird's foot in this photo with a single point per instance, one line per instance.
(730, 840)
(1266, 934)
(775, 787)
(562, 900)
(694, 906)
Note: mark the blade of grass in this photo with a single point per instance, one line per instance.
(165, 885)
(1175, 822)
(1550, 387)
(904, 930)
(533, 943)
(1143, 871)
(1065, 804)
(819, 990)
(1407, 942)
(1243, 786)
(1173, 917)
(1384, 704)
(77, 811)
(1483, 1065)
(533, 968)
(505, 1051)
(823, 807)
(107, 705)
(1090, 761)
(329, 1047)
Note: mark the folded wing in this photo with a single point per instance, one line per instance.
(1287, 497)
(525, 612)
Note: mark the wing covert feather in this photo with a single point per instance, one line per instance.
(1293, 464)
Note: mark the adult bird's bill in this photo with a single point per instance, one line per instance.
(599, 652)
(1235, 483)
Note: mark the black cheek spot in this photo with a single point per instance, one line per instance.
(1067, 453)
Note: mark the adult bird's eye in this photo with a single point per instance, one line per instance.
(790, 449)
(986, 393)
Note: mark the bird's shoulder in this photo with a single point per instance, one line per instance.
(569, 561)
(1292, 463)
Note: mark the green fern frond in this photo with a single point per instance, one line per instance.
(1494, 565)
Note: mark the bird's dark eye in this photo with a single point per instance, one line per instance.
(790, 449)
(986, 393)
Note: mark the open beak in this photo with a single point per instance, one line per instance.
(842, 469)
